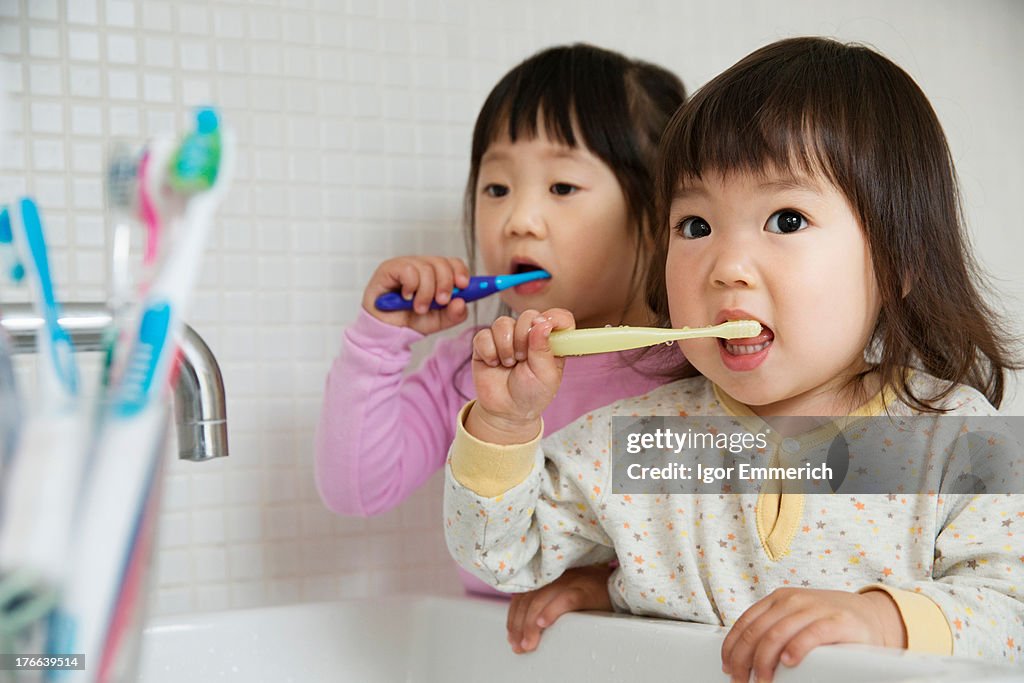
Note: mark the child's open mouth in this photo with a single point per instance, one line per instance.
(748, 353)
(745, 347)
(525, 266)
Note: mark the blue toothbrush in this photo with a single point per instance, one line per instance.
(8, 256)
(478, 288)
(59, 343)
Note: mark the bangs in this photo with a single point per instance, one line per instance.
(525, 107)
(579, 97)
(798, 115)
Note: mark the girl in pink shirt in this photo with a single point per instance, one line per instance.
(560, 179)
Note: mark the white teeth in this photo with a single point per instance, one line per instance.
(745, 350)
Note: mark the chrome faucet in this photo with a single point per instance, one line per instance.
(199, 403)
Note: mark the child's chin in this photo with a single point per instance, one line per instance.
(750, 393)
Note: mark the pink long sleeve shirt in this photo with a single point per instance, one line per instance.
(382, 433)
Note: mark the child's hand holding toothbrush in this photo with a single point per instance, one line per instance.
(516, 375)
(422, 279)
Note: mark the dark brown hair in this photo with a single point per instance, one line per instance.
(814, 106)
(583, 95)
(614, 106)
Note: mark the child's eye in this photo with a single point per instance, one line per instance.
(693, 228)
(785, 222)
(495, 190)
(563, 189)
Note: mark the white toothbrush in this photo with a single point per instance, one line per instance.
(131, 437)
(606, 339)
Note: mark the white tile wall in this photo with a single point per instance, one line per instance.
(354, 120)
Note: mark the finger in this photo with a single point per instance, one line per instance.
(516, 599)
(503, 331)
(460, 271)
(824, 631)
(517, 613)
(444, 279)
(741, 656)
(783, 604)
(455, 312)
(483, 348)
(425, 292)
(407, 276)
(543, 364)
(771, 643)
(511, 622)
(742, 624)
(539, 346)
(521, 334)
(562, 319)
(566, 601)
(531, 629)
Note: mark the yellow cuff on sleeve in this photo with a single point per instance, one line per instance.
(927, 628)
(488, 469)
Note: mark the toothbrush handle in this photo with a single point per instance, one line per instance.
(582, 342)
(478, 288)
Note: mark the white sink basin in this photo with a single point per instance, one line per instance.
(433, 640)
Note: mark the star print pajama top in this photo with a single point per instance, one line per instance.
(518, 516)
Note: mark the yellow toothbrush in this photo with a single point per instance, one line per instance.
(605, 339)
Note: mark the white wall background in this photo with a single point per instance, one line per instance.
(355, 119)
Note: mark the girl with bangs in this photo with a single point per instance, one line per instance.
(561, 176)
(809, 188)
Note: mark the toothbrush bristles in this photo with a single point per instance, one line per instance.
(122, 171)
(740, 329)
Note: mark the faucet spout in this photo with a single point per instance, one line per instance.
(200, 405)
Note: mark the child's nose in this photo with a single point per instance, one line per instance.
(526, 218)
(734, 268)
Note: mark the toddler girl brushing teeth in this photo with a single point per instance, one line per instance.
(561, 177)
(809, 188)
